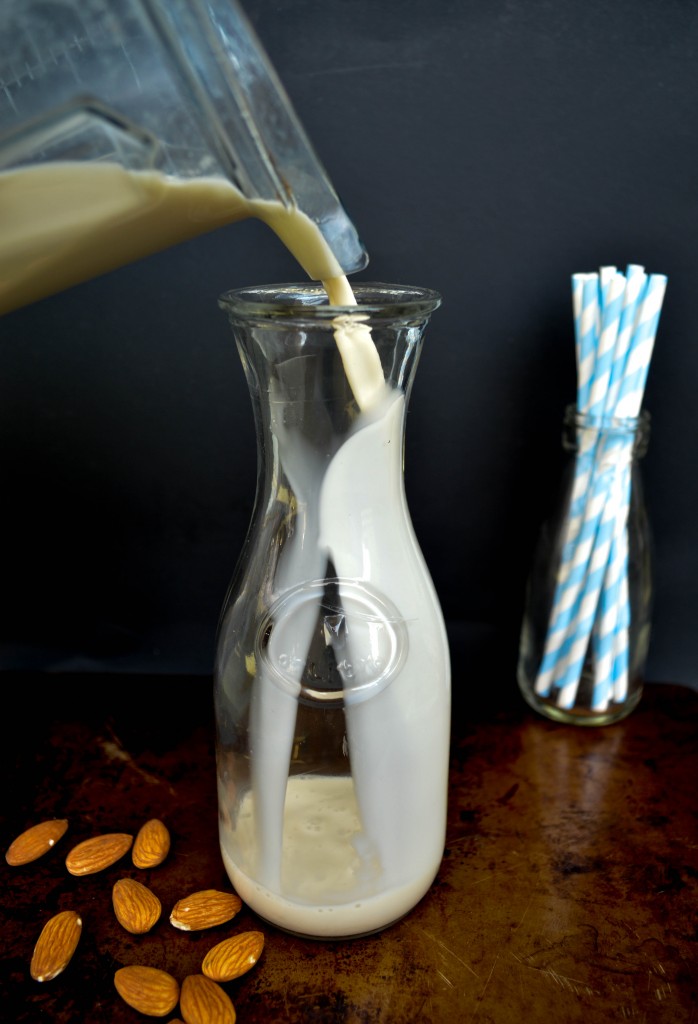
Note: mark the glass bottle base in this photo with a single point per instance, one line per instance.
(581, 715)
(356, 918)
(313, 937)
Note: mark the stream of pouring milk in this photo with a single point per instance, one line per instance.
(63, 223)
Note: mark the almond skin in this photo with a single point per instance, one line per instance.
(147, 989)
(137, 909)
(152, 844)
(204, 909)
(233, 957)
(34, 842)
(202, 1001)
(98, 853)
(56, 945)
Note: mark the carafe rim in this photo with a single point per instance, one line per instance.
(307, 301)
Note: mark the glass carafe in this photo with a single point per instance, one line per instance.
(332, 675)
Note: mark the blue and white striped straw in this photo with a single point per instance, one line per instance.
(585, 307)
(607, 626)
(621, 639)
(615, 322)
(611, 677)
(579, 628)
(611, 596)
(606, 623)
(636, 280)
(613, 295)
(632, 384)
(611, 638)
(597, 307)
(588, 334)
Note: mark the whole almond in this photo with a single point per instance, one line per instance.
(204, 909)
(152, 844)
(34, 842)
(137, 909)
(147, 989)
(56, 945)
(202, 1001)
(98, 853)
(233, 957)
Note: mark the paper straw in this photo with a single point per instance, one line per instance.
(604, 635)
(613, 455)
(591, 328)
(621, 645)
(572, 579)
(612, 307)
(580, 624)
(577, 303)
(607, 622)
(597, 306)
(585, 308)
(632, 385)
(636, 280)
(630, 392)
(588, 339)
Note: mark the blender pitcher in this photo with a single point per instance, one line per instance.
(136, 125)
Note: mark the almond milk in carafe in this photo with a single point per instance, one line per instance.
(332, 673)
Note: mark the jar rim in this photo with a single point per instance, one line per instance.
(307, 302)
(635, 429)
(574, 417)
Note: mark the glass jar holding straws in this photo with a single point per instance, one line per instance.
(596, 677)
(586, 622)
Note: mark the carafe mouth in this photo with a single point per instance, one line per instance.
(306, 302)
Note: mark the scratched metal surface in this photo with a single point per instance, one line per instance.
(567, 890)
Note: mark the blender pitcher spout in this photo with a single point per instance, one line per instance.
(248, 117)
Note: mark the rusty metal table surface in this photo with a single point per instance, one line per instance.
(567, 890)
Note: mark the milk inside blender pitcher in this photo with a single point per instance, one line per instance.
(126, 128)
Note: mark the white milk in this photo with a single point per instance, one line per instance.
(328, 889)
(380, 833)
(398, 739)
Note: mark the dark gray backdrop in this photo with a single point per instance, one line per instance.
(486, 148)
